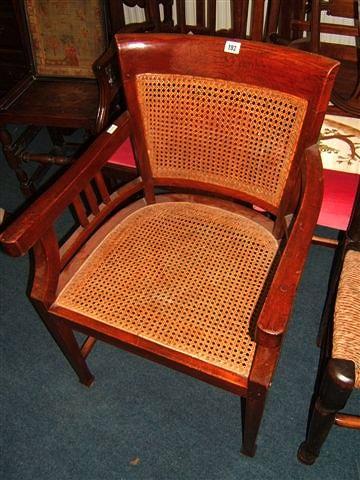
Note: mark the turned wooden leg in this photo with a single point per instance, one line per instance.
(253, 408)
(14, 161)
(336, 386)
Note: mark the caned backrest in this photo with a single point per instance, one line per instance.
(66, 36)
(213, 131)
(231, 122)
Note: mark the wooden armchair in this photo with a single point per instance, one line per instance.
(73, 80)
(187, 273)
(339, 366)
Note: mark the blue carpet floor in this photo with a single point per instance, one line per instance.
(144, 421)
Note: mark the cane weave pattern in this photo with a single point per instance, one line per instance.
(229, 134)
(346, 335)
(186, 276)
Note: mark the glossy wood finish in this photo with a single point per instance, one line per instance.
(347, 421)
(336, 377)
(170, 16)
(262, 65)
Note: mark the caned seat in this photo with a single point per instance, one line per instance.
(182, 275)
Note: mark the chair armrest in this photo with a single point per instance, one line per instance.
(25, 231)
(276, 310)
(105, 59)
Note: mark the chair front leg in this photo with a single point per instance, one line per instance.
(253, 408)
(336, 387)
(65, 339)
(259, 381)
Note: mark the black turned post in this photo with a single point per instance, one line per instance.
(336, 387)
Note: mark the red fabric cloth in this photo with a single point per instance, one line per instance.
(339, 190)
(123, 157)
(339, 194)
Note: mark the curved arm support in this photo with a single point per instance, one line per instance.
(25, 231)
(107, 74)
(276, 310)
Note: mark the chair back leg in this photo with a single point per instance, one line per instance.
(336, 387)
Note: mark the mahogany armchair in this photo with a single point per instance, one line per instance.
(339, 365)
(177, 265)
(72, 83)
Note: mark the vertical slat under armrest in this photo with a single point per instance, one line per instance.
(80, 211)
(91, 198)
(102, 188)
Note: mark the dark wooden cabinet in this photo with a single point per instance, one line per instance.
(14, 63)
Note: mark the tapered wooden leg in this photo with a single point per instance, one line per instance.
(336, 386)
(252, 415)
(66, 340)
